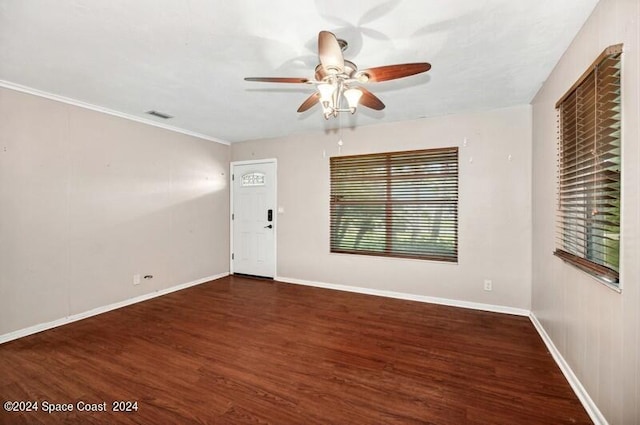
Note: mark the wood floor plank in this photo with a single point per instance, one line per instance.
(246, 351)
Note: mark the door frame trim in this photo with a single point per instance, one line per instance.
(232, 164)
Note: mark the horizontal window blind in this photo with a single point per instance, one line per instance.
(398, 204)
(588, 213)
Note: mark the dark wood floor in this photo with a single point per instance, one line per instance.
(238, 351)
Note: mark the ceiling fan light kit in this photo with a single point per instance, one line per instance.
(331, 94)
(337, 80)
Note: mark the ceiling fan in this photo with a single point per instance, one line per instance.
(337, 78)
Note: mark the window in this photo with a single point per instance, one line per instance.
(253, 179)
(399, 204)
(588, 214)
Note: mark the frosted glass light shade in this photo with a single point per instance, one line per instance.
(353, 97)
(326, 92)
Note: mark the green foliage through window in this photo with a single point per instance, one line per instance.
(589, 169)
(398, 204)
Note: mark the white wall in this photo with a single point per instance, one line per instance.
(88, 199)
(595, 329)
(495, 207)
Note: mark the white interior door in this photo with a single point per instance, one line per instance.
(254, 218)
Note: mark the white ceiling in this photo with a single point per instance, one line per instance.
(188, 57)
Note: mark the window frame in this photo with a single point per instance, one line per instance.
(410, 190)
(583, 219)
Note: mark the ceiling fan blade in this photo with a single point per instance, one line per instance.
(330, 53)
(311, 101)
(392, 72)
(370, 100)
(278, 79)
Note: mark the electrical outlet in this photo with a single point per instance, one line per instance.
(488, 285)
(136, 279)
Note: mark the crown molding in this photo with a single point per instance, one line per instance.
(51, 96)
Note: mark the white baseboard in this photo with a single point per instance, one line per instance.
(409, 297)
(592, 410)
(75, 317)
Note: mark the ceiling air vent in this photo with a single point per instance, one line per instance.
(160, 115)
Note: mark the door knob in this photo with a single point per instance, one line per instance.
(269, 226)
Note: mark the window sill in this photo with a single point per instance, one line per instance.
(603, 281)
(611, 286)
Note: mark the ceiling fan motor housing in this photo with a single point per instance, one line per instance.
(350, 69)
